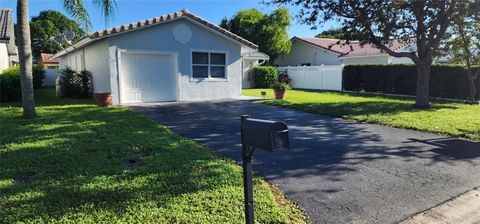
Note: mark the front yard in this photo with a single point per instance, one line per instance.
(80, 163)
(453, 119)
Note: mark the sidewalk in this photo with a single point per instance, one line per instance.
(464, 209)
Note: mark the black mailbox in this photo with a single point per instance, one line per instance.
(265, 134)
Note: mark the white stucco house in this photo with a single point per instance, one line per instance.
(7, 39)
(323, 51)
(175, 57)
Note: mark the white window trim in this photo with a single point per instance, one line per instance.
(209, 79)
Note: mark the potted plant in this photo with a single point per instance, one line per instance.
(103, 99)
(279, 88)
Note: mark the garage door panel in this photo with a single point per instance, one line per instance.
(147, 78)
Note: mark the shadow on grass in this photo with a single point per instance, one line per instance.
(45, 96)
(364, 108)
(75, 155)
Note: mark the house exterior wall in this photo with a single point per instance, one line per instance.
(97, 62)
(395, 60)
(381, 59)
(161, 38)
(4, 59)
(303, 53)
(247, 73)
(93, 58)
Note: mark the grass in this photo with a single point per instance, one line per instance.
(68, 166)
(452, 119)
(45, 96)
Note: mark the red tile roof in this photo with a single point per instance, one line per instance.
(164, 18)
(46, 58)
(353, 48)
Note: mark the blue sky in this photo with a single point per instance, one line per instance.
(134, 10)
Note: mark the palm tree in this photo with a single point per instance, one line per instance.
(74, 7)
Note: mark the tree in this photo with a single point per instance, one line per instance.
(338, 33)
(381, 21)
(49, 24)
(269, 32)
(77, 10)
(464, 45)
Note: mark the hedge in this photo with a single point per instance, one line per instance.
(264, 76)
(446, 81)
(10, 86)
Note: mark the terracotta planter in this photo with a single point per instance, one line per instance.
(103, 99)
(279, 93)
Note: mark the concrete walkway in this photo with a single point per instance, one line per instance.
(464, 209)
(338, 171)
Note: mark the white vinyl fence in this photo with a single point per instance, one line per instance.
(50, 77)
(315, 77)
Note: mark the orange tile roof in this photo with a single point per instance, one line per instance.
(353, 48)
(46, 58)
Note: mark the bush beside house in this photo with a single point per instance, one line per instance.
(446, 81)
(75, 84)
(264, 76)
(10, 85)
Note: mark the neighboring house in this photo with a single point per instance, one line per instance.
(7, 39)
(51, 67)
(46, 62)
(324, 51)
(176, 57)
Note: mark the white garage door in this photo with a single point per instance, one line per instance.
(147, 77)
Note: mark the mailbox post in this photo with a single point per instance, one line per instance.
(264, 134)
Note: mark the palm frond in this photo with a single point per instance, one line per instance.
(77, 9)
(108, 8)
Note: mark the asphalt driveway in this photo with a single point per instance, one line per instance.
(339, 171)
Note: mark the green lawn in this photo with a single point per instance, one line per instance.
(453, 119)
(67, 166)
(46, 97)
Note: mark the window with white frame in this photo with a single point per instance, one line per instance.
(209, 65)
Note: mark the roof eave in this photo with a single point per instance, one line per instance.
(256, 58)
(362, 56)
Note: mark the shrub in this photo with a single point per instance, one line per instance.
(38, 74)
(279, 85)
(38, 77)
(75, 84)
(283, 77)
(264, 76)
(446, 81)
(10, 87)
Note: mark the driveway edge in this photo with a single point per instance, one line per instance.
(463, 209)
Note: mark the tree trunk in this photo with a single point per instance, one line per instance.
(472, 93)
(423, 81)
(25, 59)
